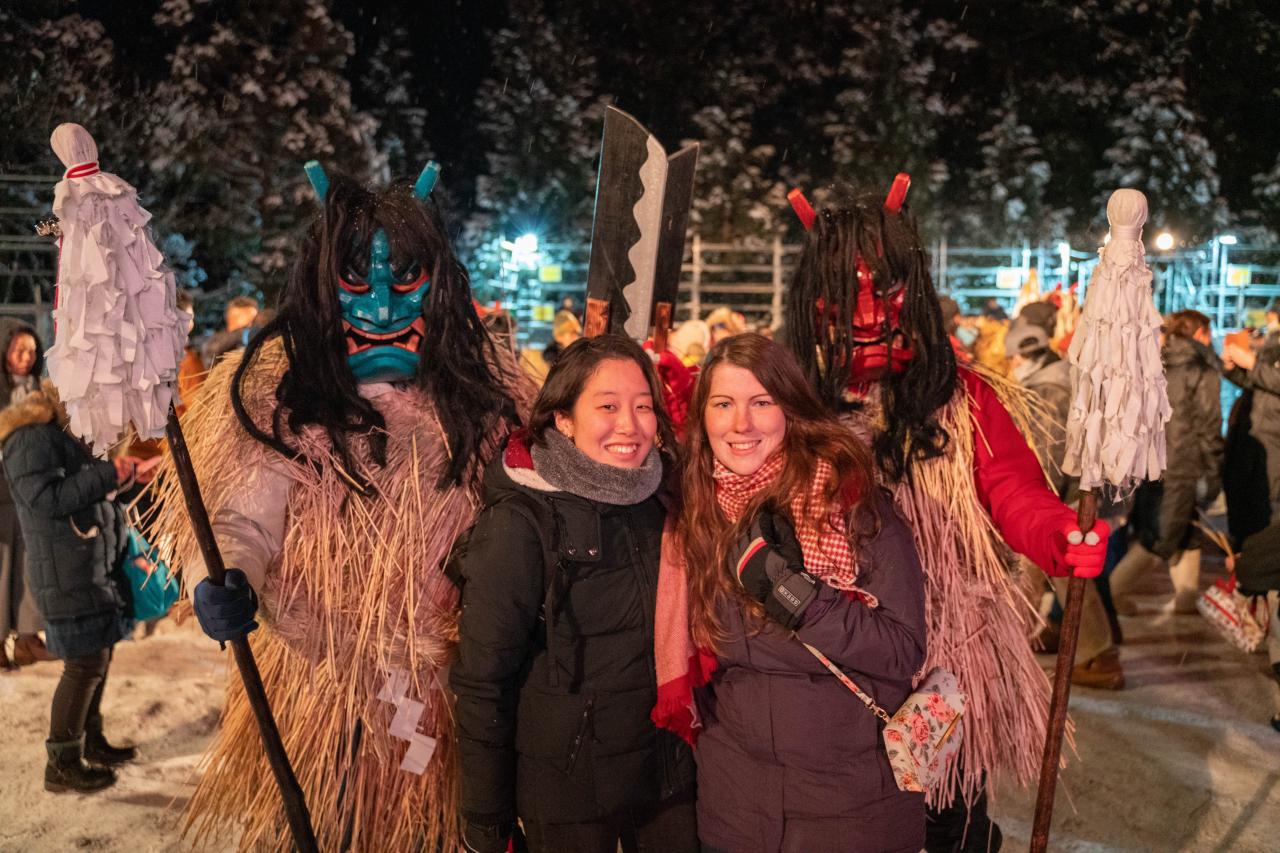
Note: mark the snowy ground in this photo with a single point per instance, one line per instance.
(1181, 759)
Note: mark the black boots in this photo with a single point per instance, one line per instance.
(98, 751)
(66, 770)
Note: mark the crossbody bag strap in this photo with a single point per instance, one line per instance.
(848, 682)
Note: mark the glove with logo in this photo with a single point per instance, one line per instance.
(771, 569)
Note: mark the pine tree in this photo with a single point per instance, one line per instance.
(737, 191)
(1160, 150)
(1008, 192)
(253, 92)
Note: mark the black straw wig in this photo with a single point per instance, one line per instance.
(826, 275)
(318, 387)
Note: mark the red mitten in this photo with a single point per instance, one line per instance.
(1081, 554)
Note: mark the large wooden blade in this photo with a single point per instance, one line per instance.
(676, 203)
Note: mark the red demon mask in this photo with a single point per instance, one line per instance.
(872, 336)
(879, 342)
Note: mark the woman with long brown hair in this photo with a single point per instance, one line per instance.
(788, 543)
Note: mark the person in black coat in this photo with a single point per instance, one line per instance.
(19, 376)
(75, 539)
(555, 677)
(1164, 510)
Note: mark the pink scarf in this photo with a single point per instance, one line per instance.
(681, 666)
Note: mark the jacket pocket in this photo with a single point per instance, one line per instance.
(553, 727)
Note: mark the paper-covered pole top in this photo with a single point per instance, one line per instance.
(74, 145)
(1127, 213)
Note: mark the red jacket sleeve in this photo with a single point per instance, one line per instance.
(1010, 482)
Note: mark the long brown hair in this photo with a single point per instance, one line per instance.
(812, 433)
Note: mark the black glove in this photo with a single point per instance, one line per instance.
(771, 569)
(226, 612)
(485, 837)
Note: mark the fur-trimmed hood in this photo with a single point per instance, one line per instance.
(38, 407)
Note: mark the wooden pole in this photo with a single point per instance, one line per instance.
(1086, 517)
(295, 805)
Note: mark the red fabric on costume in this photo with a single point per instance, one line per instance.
(1011, 484)
(677, 389)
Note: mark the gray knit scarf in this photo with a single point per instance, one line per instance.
(564, 466)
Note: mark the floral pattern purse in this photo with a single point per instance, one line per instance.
(923, 736)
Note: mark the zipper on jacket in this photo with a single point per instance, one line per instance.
(584, 726)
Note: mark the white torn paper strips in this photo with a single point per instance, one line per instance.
(119, 337)
(1115, 431)
(404, 725)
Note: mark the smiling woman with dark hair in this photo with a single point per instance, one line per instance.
(555, 676)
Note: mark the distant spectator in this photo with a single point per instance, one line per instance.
(24, 359)
(1043, 314)
(1164, 510)
(1251, 473)
(241, 313)
(690, 341)
(951, 323)
(565, 329)
(75, 537)
(994, 310)
(1257, 568)
(725, 323)
(192, 371)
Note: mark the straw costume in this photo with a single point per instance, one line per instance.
(864, 319)
(339, 459)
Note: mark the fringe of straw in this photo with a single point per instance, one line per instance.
(977, 615)
(357, 592)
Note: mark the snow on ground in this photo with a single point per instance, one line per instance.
(1181, 759)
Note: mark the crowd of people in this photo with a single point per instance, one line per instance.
(593, 595)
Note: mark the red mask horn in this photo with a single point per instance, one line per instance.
(803, 209)
(897, 193)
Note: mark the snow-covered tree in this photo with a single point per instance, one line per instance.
(254, 90)
(1160, 150)
(738, 192)
(1008, 192)
(388, 82)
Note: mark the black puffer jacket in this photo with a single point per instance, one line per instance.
(74, 536)
(559, 731)
(1193, 435)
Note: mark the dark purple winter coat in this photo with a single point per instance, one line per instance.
(790, 760)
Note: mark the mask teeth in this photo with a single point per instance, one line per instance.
(803, 209)
(897, 193)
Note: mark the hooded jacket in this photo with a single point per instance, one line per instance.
(1193, 434)
(555, 675)
(74, 534)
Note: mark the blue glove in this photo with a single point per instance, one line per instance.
(226, 612)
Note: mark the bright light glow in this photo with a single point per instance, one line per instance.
(1228, 239)
(1164, 241)
(1106, 239)
(526, 244)
(1064, 249)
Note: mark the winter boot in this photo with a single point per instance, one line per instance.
(29, 649)
(1125, 576)
(66, 770)
(1102, 672)
(1184, 570)
(98, 751)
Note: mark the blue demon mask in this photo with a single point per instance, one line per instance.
(381, 298)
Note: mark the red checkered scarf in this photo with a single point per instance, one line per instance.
(823, 540)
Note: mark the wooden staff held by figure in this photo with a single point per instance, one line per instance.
(1115, 432)
(138, 339)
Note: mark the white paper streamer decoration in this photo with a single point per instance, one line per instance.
(119, 337)
(1115, 432)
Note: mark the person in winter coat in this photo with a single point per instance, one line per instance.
(787, 542)
(1034, 365)
(75, 538)
(555, 677)
(1165, 510)
(1257, 569)
(1253, 437)
(23, 362)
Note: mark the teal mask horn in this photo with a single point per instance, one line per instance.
(319, 180)
(426, 181)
